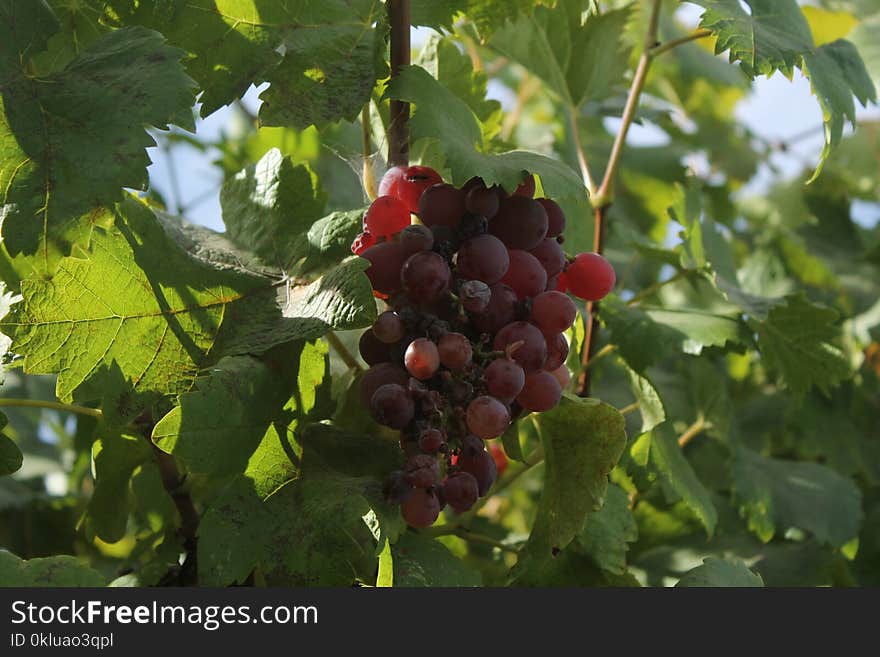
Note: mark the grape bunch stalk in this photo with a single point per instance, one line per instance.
(474, 333)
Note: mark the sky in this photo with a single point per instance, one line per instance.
(777, 109)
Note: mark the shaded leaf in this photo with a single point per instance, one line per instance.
(721, 573)
(423, 561)
(61, 571)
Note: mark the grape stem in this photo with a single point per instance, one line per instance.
(605, 194)
(650, 291)
(674, 43)
(698, 427)
(630, 408)
(398, 130)
(55, 406)
(343, 352)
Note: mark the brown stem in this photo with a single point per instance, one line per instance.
(693, 431)
(398, 131)
(342, 351)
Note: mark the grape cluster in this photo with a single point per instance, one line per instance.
(474, 331)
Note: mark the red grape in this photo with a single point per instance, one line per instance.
(499, 457)
(525, 275)
(362, 242)
(388, 327)
(386, 216)
(395, 489)
(408, 183)
(392, 405)
(415, 238)
(551, 256)
(531, 353)
(481, 466)
(372, 349)
(421, 508)
(455, 351)
(487, 417)
(590, 276)
(461, 491)
(386, 261)
(557, 351)
(500, 311)
(422, 471)
(378, 375)
(561, 283)
(431, 441)
(483, 258)
(422, 358)
(425, 276)
(482, 201)
(504, 379)
(521, 223)
(563, 376)
(555, 217)
(540, 393)
(474, 296)
(553, 312)
(441, 205)
(526, 187)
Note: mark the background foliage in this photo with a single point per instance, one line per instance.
(189, 421)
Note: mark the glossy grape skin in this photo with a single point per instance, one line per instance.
(590, 276)
(487, 417)
(557, 350)
(425, 277)
(393, 406)
(386, 216)
(461, 490)
(422, 359)
(500, 311)
(540, 393)
(521, 223)
(441, 205)
(532, 353)
(408, 184)
(386, 262)
(551, 256)
(432, 441)
(455, 351)
(504, 379)
(421, 508)
(378, 375)
(555, 217)
(483, 258)
(415, 238)
(481, 466)
(553, 312)
(474, 296)
(373, 350)
(525, 276)
(388, 327)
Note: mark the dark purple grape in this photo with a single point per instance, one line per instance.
(421, 508)
(395, 488)
(555, 217)
(482, 201)
(422, 471)
(393, 406)
(540, 393)
(431, 441)
(378, 375)
(531, 353)
(521, 223)
(461, 491)
(553, 312)
(482, 467)
(416, 238)
(500, 311)
(388, 327)
(487, 417)
(455, 351)
(504, 379)
(386, 261)
(471, 446)
(442, 205)
(551, 256)
(526, 276)
(474, 296)
(557, 351)
(472, 225)
(425, 277)
(373, 350)
(482, 258)
(562, 375)
(422, 359)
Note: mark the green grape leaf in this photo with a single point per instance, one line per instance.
(583, 440)
(10, 454)
(716, 572)
(25, 29)
(421, 561)
(486, 15)
(646, 335)
(609, 531)
(776, 495)
(220, 423)
(581, 60)
(442, 116)
(330, 238)
(53, 169)
(61, 571)
(270, 206)
(771, 37)
(650, 405)
(837, 73)
(677, 474)
(796, 342)
(115, 457)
